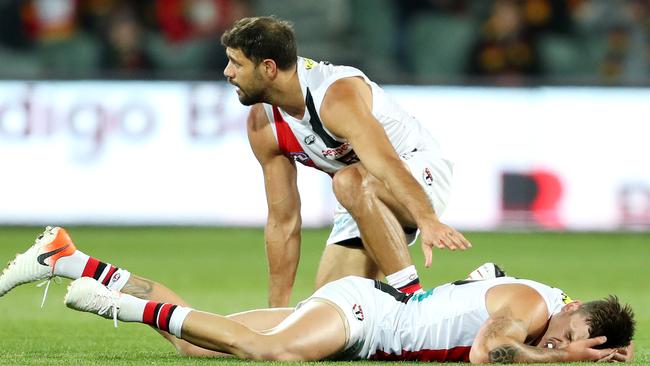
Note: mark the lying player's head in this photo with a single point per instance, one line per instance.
(257, 48)
(577, 321)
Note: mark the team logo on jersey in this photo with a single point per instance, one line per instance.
(566, 299)
(309, 63)
(428, 177)
(358, 312)
(310, 139)
(300, 157)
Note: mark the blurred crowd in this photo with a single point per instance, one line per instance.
(504, 42)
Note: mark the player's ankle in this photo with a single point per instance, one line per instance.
(79, 265)
(405, 280)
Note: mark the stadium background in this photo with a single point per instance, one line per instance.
(116, 122)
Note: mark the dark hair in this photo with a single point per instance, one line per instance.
(260, 38)
(609, 318)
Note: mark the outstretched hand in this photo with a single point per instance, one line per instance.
(441, 236)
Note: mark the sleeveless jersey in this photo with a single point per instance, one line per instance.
(438, 325)
(309, 142)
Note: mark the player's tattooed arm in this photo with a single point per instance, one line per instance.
(138, 287)
(582, 350)
(503, 354)
(517, 352)
(503, 328)
(502, 339)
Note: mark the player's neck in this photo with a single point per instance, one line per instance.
(286, 94)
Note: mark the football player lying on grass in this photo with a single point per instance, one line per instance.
(496, 319)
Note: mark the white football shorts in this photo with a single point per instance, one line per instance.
(363, 307)
(434, 175)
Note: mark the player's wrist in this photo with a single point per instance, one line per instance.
(278, 301)
(426, 219)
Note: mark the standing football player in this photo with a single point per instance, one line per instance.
(389, 175)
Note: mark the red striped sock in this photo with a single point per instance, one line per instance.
(158, 314)
(164, 316)
(99, 270)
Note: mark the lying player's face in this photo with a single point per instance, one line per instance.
(564, 328)
(246, 76)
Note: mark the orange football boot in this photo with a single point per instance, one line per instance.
(38, 262)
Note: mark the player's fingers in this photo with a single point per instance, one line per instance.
(607, 358)
(454, 240)
(428, 255)
(460, 241)
(619, 356)
(596, 341)
(451, 244)
(439, 243)
(464, 242)
(449, 241)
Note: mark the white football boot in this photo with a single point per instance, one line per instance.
(37, 263)
(88, 295)
(486, 271)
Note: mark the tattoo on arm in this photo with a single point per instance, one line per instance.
(503, 354)
(138, 287)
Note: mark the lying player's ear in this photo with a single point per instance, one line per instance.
(572, 306)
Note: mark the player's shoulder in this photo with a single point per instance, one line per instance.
(517, 298)
(260, 134)
(258, 117)
(319, 75)
(514, 289)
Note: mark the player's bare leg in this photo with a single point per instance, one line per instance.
(314, 331)
(149, 290)
(54, 254)
(339, 261)
(380, 217)
(145, 289)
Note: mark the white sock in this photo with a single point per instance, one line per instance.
(79, 264)
(131, 308)
(71, 266)
(403, 277)
(177, 320)
(119, 279)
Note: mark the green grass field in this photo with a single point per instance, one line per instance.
(224, 271)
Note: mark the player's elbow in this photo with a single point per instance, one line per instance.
(478, 355)
(494, 350)
(285, 224)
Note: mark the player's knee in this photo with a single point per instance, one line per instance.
(270, 348)
(281, 354)
(348, 184)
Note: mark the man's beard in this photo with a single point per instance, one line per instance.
(253, 95)
(249, 99)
